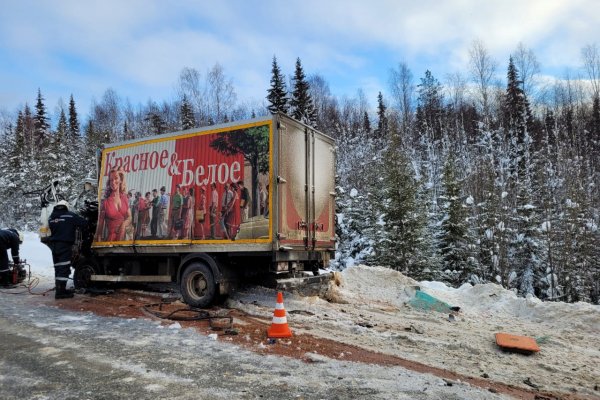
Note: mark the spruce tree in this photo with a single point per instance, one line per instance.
(551, 226)
(62, 129)
(401, 242)
(41, 124)
(127, 134)
(523, 223)
(595, 124)
(61, 153)
(94, 140)
(157, 124)
(430, 108)
(13, 169)
(517, 117)
(277, 93)
(18, 150)
(454, 240)
(366, 123)
(74, 128)
(301, 103)
(381, 131)
(188, 120)
(29, 131)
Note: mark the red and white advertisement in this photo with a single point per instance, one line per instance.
(207, 186)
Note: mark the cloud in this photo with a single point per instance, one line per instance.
(139, 47)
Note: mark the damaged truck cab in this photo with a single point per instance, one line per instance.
(210, 207)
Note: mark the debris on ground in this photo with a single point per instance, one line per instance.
(516, 343)
(427, 302)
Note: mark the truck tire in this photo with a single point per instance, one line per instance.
(198, 286)
(84, 269)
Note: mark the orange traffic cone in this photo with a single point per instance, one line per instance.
(279, 328)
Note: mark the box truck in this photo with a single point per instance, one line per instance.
(208, 208)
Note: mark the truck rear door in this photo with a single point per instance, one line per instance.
(306, 187)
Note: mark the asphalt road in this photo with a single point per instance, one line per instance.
(49, 353)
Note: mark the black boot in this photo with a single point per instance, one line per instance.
(62, 292)
(5, 278)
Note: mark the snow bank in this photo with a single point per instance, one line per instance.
(37, 255)
(490, 298)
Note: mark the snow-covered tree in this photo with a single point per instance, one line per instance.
(454, 239)
(188, 120)
(74, 128)
(381, 132)
(277, 93)
(41, 124)
(301, 104)
(430, 110)
(400, 244)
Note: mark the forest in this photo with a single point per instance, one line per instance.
(490, 174)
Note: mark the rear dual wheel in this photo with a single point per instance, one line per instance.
(198, 286)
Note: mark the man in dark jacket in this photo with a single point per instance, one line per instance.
(63, 227)
(9, 239)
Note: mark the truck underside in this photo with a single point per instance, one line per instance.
(200, 277)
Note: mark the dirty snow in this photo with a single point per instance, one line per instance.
(377, 297)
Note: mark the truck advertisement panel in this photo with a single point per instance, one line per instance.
(203, 187)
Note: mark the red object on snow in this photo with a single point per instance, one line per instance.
(517, 343)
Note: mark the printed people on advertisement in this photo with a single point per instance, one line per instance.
(164, 213)
(226, 208)
(201, 212)
(148, 213)
(244, 200)
(115, 214)
(133, 204)
(143, 215)
(176, 222)
(266, 213)
(155, 203)
(234, 216)
(213, 210)
(262, 195)
(187, 214)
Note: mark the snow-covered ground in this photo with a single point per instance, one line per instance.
(367, 307)
(52, 353)
(37, 255)
(371, 311)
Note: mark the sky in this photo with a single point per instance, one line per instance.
(139, 47)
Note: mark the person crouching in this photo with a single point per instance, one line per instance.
(63, 227)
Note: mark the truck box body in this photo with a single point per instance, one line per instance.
(287, 168)
(294, 161)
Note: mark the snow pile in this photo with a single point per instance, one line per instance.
(385, 285)
(488, 299)
(374, 284)
(37, 255)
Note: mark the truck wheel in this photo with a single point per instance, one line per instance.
(84, 269)
(198, 285)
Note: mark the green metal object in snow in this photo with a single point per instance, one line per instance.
(423, 301)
